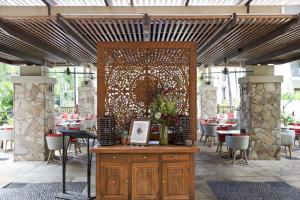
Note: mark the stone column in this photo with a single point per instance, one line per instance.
(208, 102)
(87, 100)
(33, 115)
(260, 112)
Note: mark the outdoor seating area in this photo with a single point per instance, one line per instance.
(161, 100)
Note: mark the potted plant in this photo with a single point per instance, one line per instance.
(163, 110)
(123, 134)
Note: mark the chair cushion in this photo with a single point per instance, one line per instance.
(55, 135)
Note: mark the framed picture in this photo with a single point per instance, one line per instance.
(139, 131)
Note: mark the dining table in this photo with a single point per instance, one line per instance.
(229, 132)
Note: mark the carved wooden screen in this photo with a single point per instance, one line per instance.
(129, 73)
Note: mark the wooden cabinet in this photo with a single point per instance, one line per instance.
(145, 173)
(114, 181)
(145, 181)
(176, 181)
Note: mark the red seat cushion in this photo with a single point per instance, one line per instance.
(55, 135)
(73, 139)
(74, 128)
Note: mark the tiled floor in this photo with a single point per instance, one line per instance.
(209, 166)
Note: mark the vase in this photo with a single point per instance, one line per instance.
(163, 139)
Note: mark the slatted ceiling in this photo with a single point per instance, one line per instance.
(119, 3)
(21, 3)
(158, 2)
(246, 31)
(213, 2)
(279, 42)
(78, 2)
(15, 43)
(49, 31)
(275, 2)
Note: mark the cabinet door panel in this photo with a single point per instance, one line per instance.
(176, 181)
(145, 181)
(114, 181)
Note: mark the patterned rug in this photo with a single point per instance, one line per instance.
(236, 190)
(37, 191)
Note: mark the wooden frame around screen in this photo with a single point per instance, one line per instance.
(192, 46)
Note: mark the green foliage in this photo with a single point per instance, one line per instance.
(6, 92)
(287, 119)
(64, 88)
(164, 105)
(163, 109)
(291, 96)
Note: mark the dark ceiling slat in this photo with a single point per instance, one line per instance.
(48, 4)
(28, 38)
(77, 37)
(146, 27)
(266, 38)
(218, 35)
(106, 2)
(22, 55)
(266, 57)
(187, 2)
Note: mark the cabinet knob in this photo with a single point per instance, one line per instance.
(114, 157)
(126, 181)
(175, 156)
(145, 157)
(164, 181)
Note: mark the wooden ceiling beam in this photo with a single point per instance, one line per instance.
(264, 39)
(15, 62)
(36, 42)
(264, 59)
(76, 36)
(22, 55)
(282, 61)
(218, 35)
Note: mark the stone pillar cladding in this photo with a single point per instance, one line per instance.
(33, 116)
(208, 102)
(260, 115)
(86, 101)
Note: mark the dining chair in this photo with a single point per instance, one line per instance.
(287, 140)
(55, 143)
(210, 133)
(238, 143)
(7, 135)
(221, 139)
(200, 127)
(74, 140)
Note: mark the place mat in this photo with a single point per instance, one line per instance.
(40, 191)
(238, 190)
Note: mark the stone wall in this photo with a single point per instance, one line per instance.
(260, 116)
(208, 102)
(33, 114)
(86, 101)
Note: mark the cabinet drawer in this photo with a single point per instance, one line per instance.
(175, 157)
(144, 157)
(115, 157)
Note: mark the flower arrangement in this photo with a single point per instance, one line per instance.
(287, 119)
(163, 110)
